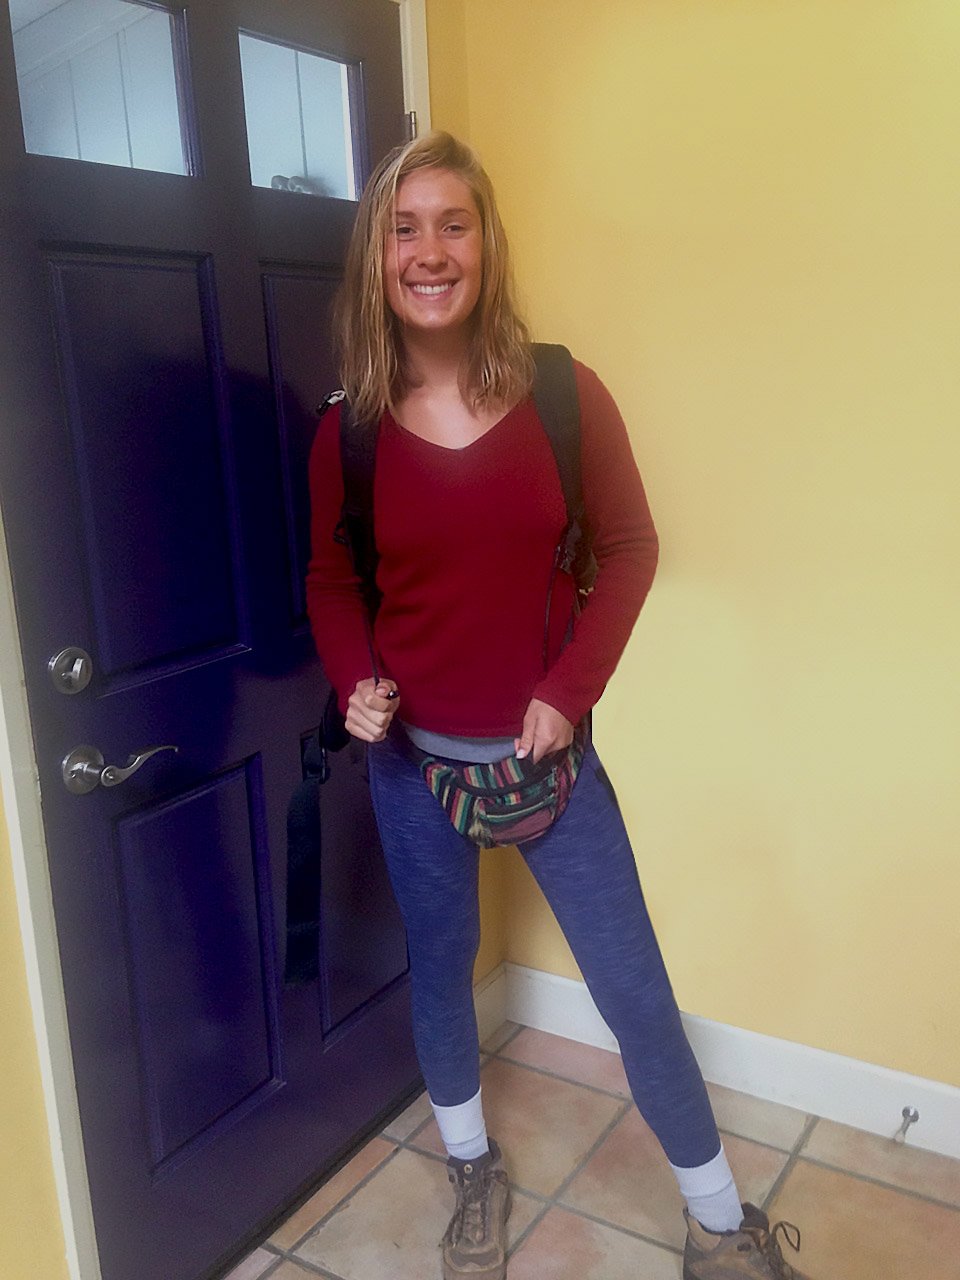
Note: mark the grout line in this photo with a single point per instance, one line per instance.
(551, 1201)
(414, 1132)
(554, 1075)
(620, 1097)
(271, 1267)
(579, 1168)
(879, 1182)
(517, 1028)
(320, 1222)
(555, 1200)
(616, 1226)
(311, 1269)
(806, 1133)
(528, 1230)
(420, 1151)
(790, 1163)
(755, 1142)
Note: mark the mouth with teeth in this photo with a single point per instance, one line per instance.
(431, 290)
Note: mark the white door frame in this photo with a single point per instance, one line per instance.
(20, 788)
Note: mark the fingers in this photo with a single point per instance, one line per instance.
(545, 729)
(371, 708)
(523, 744)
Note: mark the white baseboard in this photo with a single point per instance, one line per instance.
(824, 1084)
(490, 998)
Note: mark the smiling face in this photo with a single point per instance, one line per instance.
(433, 254)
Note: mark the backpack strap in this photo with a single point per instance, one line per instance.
(558, 406)
(358, 454)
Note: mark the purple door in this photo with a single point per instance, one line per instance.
(176, 188)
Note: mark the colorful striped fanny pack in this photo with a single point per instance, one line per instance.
(507, 802)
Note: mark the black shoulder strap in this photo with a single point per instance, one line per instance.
(555, 395)
(358, 454)
(558, 406)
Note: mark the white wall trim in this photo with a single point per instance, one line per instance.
(21, 802)
(825, 1084)
(416, 74)
(490, 998)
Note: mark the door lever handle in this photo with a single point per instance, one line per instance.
(84, 768)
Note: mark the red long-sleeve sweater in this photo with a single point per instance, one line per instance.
(466, 540)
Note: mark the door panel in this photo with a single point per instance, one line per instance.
(163, 577)
(201, 959)
(165, 338)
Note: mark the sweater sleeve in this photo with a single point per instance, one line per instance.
(626, 548)
(334, 603)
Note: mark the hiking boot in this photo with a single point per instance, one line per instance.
(752, 1252)
(475, 1243)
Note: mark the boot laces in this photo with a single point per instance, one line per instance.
(475, 1204)
(470, 1217)
(769, 1247)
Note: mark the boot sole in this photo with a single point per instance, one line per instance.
(472, 1273)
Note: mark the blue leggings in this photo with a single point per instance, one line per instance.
(586, 869)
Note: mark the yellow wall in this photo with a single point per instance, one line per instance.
(493, 919)
(29, 1214)
(744, 215)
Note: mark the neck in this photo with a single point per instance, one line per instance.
(434, 361)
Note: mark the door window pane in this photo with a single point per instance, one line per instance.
(98, 81)
(299, 127)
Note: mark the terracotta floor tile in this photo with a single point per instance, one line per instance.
(499, 1037)
(253, 1266)
(390, 1230)
(909, 1167)
(757, 1119)
(629, 1183)
(580, 1062)
(567, 1247)
(290, 1271)
(340, 1185)
(544, 1126)
(410, 1120)
(755, 1167)
(855, 1230)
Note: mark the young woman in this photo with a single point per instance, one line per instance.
(468, 511)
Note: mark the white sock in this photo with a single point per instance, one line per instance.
(711, 1194)
(462, 1128)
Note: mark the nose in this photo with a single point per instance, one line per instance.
(431, 251)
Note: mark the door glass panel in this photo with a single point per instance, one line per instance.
(98, 81)
(299, 123)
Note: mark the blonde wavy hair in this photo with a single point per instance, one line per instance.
(498, 369)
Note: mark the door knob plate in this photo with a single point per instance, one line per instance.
(71, 670)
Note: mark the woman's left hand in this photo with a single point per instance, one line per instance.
(545, 729)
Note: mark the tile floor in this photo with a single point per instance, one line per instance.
(593, 1198)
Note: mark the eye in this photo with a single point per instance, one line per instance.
(403, 231)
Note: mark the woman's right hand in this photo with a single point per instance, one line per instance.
(370, 709)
